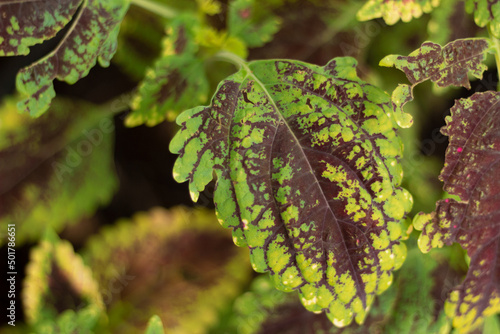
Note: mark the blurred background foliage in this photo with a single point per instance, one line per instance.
(74, 179)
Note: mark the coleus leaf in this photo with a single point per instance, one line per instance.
(254, 28)
(177, 264)
(445, 66)
(59, 288)
(176, 82)
(155, 326)
(409, 306)
(394, 10)
(472, 166)
(91, 37)
(306, 159)
(57, 168)
(485, 12)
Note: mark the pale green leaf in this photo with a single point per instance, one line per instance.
(394, 10)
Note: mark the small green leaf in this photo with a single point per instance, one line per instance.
(470, 174)
(253, 27)
(60, 166)
(155, 326)
(176, 82)
(394, 10)
(400, 96)
(92, 37)
(306, 159)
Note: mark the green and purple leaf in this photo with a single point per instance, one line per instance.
(394, 10)
(472, 166)
(91, 37)
(59, 289)
(445, 66)
(178, 264)
(306, 159)
(57, 168)
(410, 306)
(176, 82)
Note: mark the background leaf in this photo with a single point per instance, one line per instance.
(394, 10)
(176, 82)
(308, 177)
(91, 37)
(470, 173)
(58, 168)
(178, 264)
(59, 293)
(485, 12)
(248, 21)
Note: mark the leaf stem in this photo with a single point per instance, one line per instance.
(231, 58)
(496, 45)
(155, 8)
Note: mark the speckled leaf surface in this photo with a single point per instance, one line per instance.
(25, 23)
(394, 10)
(176, 263)
(55, 169)
(411, 306)
(445, 66)
(306, 159)
(472, 166)
(59, 289)
(485, 12)
(176, 82)
(91, 37)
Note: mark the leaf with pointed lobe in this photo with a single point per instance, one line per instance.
(306, 159)
(91, 38)
(470, 174)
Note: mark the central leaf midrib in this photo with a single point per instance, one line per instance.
(283, 121)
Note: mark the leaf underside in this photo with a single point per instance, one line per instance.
(472, 166)
(306, 159)
(394, 10)
(91, 37)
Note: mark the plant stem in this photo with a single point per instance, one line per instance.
(155, 8)
(496, 45)
(233, 59)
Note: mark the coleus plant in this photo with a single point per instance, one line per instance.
(307, 159)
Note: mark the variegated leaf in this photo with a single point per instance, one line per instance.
(91, 37)
(176, 82)
(306, 159)
(394, 10)
(485, 12)
(472, 166)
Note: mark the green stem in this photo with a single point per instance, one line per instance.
(496, 45)
(155, 8)
(231, 58)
